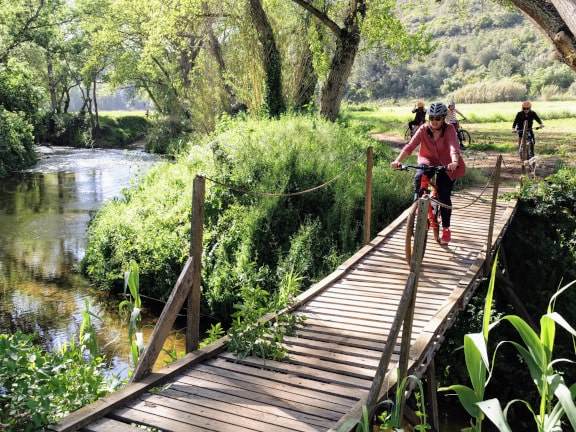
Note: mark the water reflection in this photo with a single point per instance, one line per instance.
(44, 214)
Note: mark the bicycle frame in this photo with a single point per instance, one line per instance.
(427, 186)
(427, 189)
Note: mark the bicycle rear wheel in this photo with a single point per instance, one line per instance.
(409, 235)
(466, 139)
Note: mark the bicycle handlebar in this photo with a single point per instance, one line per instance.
(517, 131)
(435, 168)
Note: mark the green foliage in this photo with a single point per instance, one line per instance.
(477, 362)
(536, 351)
(483, 52)
(387, 412)
(166, 136)
(66, 129)
(87, 336)
(118, 132)
(215, 332)
(258, 223)
(134, 306)
(251, 335)
(38, 388)
(16, 142)
(556, 397)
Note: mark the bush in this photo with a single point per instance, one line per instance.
(491, 91)
(38, 388)
(258, 223)
(68, 129)
(16, 142)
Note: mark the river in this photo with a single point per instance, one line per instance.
(44, 215)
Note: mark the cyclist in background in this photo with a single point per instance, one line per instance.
(452, 118)
(518, 125)
(419, 118)
(438, 147)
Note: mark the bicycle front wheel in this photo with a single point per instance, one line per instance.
(466, 139)
(408, 134)
(410, 231)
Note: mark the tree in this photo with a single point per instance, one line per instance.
(557, 19)
(373, 20)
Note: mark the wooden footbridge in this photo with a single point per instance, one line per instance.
(346, 354)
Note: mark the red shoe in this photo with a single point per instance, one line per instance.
(446, 236)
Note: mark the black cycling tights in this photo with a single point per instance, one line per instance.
(444, 185)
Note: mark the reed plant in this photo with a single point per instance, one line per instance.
(536, 351)
(134, 306)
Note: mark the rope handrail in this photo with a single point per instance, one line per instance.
(474, 200)
(271, 194)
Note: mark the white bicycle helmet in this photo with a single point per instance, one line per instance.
(437, 109)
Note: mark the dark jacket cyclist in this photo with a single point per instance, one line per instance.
(526, 114)
(518, 126)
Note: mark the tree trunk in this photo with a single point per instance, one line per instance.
(340, 68)
(347, 43)
(271, 58)
(557, 19)
(51, 83)
(305, 78)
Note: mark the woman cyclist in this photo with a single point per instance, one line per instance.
(439, 146)
(452, 118)
(518, 125)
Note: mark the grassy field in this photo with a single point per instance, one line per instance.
(490, 125)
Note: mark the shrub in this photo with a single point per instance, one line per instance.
(38, 388)
(16, 142)
(257, 220)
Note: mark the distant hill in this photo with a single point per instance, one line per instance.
(481, 45)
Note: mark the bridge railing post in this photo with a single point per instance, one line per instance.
(489, 251)
(187, 287)
(368, 201)
(405, 313)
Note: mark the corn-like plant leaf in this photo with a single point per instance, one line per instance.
(534, 367)
(493, 411)
(547, 336)
(476, 355)
(531, 341)
(559, 319)
(467, 397)
(566, 397)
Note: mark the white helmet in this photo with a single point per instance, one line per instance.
(437, 109)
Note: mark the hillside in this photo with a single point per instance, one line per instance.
(477, 42)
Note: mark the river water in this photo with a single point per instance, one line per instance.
(44, 215)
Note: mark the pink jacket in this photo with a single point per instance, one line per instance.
(434, 153)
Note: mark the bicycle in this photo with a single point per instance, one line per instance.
(463, 137)
(409, 132)
(526, 146)
(427, 189)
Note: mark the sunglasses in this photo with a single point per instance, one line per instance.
(525, 109)
(436, 118)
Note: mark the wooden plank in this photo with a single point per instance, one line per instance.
(242, 410)
(290, 384)
(328, 376)
(277, 393)
(106, 425)
(195, 390)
